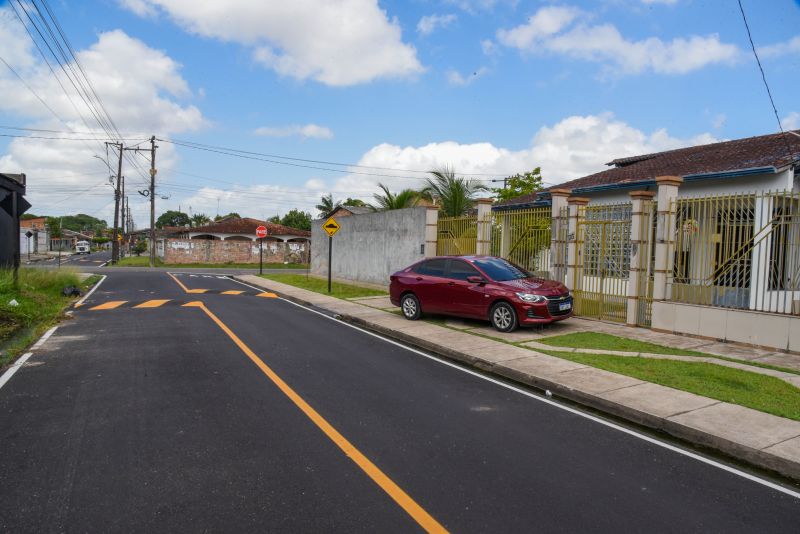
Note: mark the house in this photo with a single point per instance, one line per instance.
(34, 236)
(763, 163)
(347, 211)
(244, 229)
(68, 240)
(12, 206)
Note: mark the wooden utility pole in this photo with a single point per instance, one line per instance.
(114, 240)
(153, 201)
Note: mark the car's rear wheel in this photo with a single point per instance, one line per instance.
(409, 304)
(503, 317)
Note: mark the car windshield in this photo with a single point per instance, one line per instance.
(501, 270)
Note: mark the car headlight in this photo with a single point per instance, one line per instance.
(528, 297)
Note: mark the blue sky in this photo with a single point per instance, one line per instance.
(490, 87)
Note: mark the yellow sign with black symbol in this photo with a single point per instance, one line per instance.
(331, 226)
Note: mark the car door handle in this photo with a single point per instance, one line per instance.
(419, 279)
(451, 283)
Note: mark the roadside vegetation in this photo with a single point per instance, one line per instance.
(40, 303)
(319, 285)
(601, 341)
(144, 261)
(759, 392)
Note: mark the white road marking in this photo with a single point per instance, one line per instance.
(555, 404)
(14, 368)
(80, 302)
(44, 338)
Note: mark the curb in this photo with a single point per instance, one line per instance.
(737, 451)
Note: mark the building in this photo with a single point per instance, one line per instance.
(12, 206)
(34, 237)
(347, 211)
(244, 229)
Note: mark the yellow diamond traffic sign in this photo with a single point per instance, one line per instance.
(331, 226)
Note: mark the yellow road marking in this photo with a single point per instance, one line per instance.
(423, 518)
(231, 292)
(152, 303)
(110, 305)
(196, 290)
(268, 295)
(186, 289)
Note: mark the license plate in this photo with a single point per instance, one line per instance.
(565, 306)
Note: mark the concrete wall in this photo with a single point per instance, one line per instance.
(370, 247)
(759, 329)
(216, 251)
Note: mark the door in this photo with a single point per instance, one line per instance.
(429, 285)
(463, 297)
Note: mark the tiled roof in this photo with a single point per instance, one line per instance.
(247, 226)
(775, 150)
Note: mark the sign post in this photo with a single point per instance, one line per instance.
(261, 233)
(330, 227)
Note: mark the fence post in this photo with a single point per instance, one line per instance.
(665, 235)
(575, 242)
(431, 230)
(639, 252)
(558, 262)
(483, 245)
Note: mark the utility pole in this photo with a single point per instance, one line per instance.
(122, 219)
(153, 201)
(114, 240)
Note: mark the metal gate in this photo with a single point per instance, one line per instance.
(524, 236)
(456, 236)
(600, 284)
(646, 264)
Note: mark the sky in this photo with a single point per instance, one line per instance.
(337, 96)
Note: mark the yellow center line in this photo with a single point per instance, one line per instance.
(232, 292)
(268, 295)
(110, 305)
(186, 289)
(423, 518)
(152, 303)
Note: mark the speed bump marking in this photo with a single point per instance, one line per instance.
(110, 305)
(152, 303)
(232, 292)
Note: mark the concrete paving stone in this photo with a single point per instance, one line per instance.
(791, 361)
(734, 351)
(522, 334)
(738, 424)
(789, 449)
(657, 400)
(460, 324)
(537, 365)
(375, 302)
(500, 352)
(591, 380)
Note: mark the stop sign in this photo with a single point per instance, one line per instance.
(261, 232)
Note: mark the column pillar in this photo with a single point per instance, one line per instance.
(638, 252)
(665, 235)
(431, 230)
(575, 207)
(484, 245)
(558, 262)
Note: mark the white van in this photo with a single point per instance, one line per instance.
(82, 247)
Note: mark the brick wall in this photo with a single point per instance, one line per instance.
(216, 251)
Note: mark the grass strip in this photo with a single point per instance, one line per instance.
(759, 392)
(144, 261)
(318, 285)
(39, 306)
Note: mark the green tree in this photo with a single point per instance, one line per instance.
(232, 214)
(297, 219)
(454, 195)
(357, 202)
(141, 246)
(520, 184)
(172, 218)
(275, 219)
(327, 205)
(407, 198)
(54, 226)
(83, 223)
(200, 219)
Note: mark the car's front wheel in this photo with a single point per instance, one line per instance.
(409, 304)
(503, 317)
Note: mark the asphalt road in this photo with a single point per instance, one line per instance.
(244, 413)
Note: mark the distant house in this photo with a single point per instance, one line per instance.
(347, 211)
(761, 163)
(12, 206)
(68, 240)
(34, 237)
(244, 229)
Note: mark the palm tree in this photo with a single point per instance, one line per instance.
(200, 219)
(407, 198)
(327, 205)
(453, 194)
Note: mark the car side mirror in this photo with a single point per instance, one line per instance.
(475, 279)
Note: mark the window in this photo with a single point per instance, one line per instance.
(432, 267)
(461, 270)
(502, 270)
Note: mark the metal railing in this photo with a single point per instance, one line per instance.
(456, 236)
(738, 251)
(524, 237)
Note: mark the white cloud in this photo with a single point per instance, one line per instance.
(308, 131)
(140, 7)
(574, 147)
(429, 23)
(456, 78)
(791, 121)
(719, 120)
(336, 43)
(140, 87)
(489, 47)
(792, 46)
(564, 30)
(473, 6)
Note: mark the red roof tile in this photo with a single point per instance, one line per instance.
(248, 226)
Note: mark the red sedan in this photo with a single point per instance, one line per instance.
(479, 287)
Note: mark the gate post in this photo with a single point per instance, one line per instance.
(575, 242)
(483, 245)
(665, 236)
(639, 252)
(558, 262)
(431, 230)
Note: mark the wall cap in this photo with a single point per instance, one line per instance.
(580, 201)
(669, 180)
(485, 201)
(560, 192)
(642, 194)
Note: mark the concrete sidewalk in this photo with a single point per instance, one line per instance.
(761, 439)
